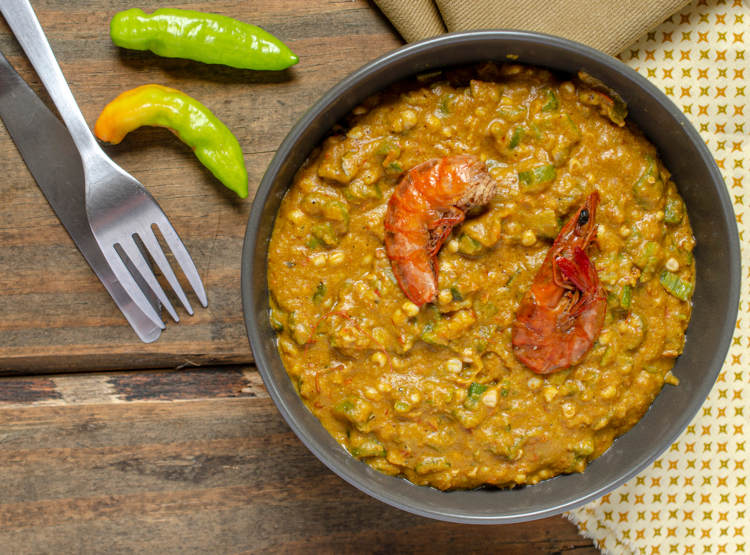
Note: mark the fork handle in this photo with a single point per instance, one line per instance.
(23, 22)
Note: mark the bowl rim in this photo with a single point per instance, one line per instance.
(249, 293)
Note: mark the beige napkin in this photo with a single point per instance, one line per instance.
(606, 25)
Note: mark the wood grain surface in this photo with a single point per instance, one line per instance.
(198, 461)
(55, 313)
(187, 460)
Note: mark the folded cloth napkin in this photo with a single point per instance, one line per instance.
(693, 499)
(604, 24)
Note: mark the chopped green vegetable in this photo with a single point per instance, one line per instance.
(394, 167)
(512, 113)
(389, 146)
(515, 138)
(551, 101)
(480, 345)
(649, 189)
(336, 211)
(608, 357)
(485, 310)
(401, 406)
(313, 242)
(625, 297)
(358, 191)
(428, 335)
(584, 447)
(320, 292)
(276, 318)
(445, 106)
(476, 389)
(456, 294)
(432, 464)
(344, 406)
(674, 211)
(573, 126)
(369, 447)
(646, 257)
(325, 234)
(467, 245)
(355, 410)
(544, 223)
(676, 286)
(536, 179)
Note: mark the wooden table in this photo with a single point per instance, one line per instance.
(108, 444)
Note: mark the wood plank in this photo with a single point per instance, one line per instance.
(56, 315)
(215, 474)
(123, 387)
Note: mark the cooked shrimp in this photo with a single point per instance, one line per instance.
(563, 312)
(431, 199)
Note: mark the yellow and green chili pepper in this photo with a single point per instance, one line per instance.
(203, 37)
(213, 143)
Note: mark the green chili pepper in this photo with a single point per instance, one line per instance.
(203, 37)
(195, 125)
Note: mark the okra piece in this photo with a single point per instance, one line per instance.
(676, 286)
(515, 138)
(551, 102)
(536, 179)
(625, 297)
(467, 245)
(476, 389)
(649, 189)
(674, 211)
(320, 292)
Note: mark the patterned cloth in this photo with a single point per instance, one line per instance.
(694, 498)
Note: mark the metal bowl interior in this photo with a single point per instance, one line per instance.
(715, 301)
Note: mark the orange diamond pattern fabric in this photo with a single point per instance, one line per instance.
(694, 498)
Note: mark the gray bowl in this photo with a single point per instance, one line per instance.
(716, 297)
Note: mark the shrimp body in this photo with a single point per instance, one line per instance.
(563, 312)
(429, 201)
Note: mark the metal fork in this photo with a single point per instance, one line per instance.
(119, 209)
